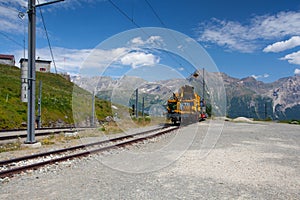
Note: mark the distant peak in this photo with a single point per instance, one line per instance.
(249, 79)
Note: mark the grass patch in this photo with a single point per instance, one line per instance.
(14, 146)
(58, 138)
(142, 121)
(57, 100)
(111, 128)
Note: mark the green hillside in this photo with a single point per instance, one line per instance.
(56, 100)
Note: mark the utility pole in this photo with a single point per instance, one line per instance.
(31, 73)
(40, 106)
(93, 110)
(266, 112)
(143, 107)
(136, 102)
(31, 69)
(203, 84)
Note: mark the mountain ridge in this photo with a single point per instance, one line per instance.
(246, 97)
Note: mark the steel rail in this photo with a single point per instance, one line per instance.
(24, 158)
(45, 128)
(11, 137)
(24, 135)
(11, 172)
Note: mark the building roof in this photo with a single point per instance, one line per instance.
(38, 61)
(8, 57)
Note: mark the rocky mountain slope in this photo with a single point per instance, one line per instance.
(244, 97)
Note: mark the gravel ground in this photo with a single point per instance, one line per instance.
(249, 161)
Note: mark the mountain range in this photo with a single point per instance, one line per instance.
(247, 97)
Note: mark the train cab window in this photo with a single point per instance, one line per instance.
(172, 106)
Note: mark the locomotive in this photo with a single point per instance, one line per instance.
(186, 106)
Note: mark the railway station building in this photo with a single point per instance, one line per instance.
(40, 65)
(7, 59)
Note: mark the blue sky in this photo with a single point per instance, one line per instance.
(243, 38)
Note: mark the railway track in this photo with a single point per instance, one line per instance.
(45, 128)
(14, 166)
(21, 133)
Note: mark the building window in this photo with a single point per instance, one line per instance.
(42, 69)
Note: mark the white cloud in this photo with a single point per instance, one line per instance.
(94, 61)
(9, 20)
(155, 40)
(66, 60)
(152, 41)
(260, 76)
(9, 10)
(137, 41)
(14, 2)
(283, 45)
(297, 72)
(76, 60)
(293, 58)
(249, 37)
(136, 59)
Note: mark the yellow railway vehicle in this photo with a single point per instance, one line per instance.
(186, 106)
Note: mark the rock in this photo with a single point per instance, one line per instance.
(4, 180)
(242, 119)
(34, 145)
(71, 134)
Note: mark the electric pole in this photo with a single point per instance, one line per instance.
(31, 69)
(203, 84)
(93, 110)
(266, 112)
(31, 73)
(143, 107)
(136, 103)
(39, 118)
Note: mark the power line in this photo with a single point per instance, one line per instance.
(10, 8)
(164, 25)
(11, 39)
(124, 14)
(48, 40)
(155, 13)
(138, 26)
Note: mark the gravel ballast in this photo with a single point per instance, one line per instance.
(249, 161)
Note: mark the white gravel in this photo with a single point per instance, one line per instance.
(249, 161)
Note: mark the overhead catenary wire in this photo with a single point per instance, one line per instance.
(9, 8)
(155, 13)
(11, 39)
(164, 25)
(48, 40)
(137, 25)
(123, 13)
(5, 35)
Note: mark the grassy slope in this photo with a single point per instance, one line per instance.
(56, 99)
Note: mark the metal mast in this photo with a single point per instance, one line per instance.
(31, 73)
(31, 69)
(136, 102)
(203, 85)
(143, 107)
(93, 110)
(39, 118)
